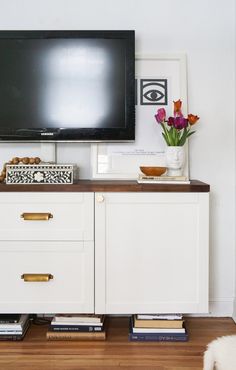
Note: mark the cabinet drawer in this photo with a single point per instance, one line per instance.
(47, 216)
(70, 287)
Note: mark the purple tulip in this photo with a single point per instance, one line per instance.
(180, 123)
(161, 115)
(170, 121)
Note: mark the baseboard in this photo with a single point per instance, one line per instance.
(219, 308)
(234, 310)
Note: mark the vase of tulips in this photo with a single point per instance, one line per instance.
(176, 130)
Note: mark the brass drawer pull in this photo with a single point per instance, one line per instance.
(37, 277)
(36, 216)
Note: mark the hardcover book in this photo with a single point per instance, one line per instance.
(63, 322)
(157, 316)
(9, 318)
(158, 330)
(76, 336)
(174, 324)
(158, 337)
(76, 328)
(79, 318)
(143, 179)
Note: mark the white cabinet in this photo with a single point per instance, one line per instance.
(151, 252)
(47, 265)
(121, 252)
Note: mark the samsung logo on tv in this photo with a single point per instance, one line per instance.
(47, 133)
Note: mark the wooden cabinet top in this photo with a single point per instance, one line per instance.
(109, 186)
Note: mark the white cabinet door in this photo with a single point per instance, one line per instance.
(151, 252)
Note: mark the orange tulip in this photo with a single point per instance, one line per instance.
(192, 119)
(177, 107)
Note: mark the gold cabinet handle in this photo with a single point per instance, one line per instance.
(37, 277)
(36, 216)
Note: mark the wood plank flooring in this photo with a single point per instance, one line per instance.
(36, 353)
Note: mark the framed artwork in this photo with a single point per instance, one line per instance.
(160, 80)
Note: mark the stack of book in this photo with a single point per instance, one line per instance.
(159, 328)
(143, 179)
(13, 326)
(77, 327)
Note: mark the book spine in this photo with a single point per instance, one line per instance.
(157, 332)
(157, 338)
(61, 323)
(11, 337)
(75, 328)
(162, 182)
(90, 319)
(67, 336)
(11, 332)
(159, 317)
(161, 324)
(10, 327)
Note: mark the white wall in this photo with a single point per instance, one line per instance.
(234, 308)
(202, 29)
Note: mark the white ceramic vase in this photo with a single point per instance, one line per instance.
(175, 159)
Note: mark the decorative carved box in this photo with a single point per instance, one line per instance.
(46, 173)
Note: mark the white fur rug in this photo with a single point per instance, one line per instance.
(221, 354)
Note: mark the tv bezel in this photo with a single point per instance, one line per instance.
(81, 134)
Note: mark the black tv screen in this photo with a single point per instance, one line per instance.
(67, 86)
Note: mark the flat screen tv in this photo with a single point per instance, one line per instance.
(67, 86)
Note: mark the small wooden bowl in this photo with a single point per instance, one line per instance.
(153, 171)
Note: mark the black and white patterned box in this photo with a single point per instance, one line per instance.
(45, 173)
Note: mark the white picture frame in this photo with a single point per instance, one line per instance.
(121, 161)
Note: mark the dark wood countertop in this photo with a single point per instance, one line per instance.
(195, 186)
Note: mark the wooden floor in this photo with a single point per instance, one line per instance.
(34, 352)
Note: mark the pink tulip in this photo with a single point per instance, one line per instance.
(161, 115)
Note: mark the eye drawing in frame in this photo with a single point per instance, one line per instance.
(153, 91)
(160, 80)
